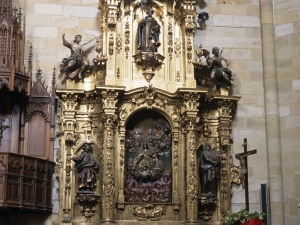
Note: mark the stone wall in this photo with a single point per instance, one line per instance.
(235, 26)
(287, 24)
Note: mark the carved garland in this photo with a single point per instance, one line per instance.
(177, 47)
(109, 189)
(127, 40)
(119, 45)
(111, 44)
(170, 41)
(189, 48)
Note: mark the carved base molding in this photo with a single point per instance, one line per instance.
(88, 201)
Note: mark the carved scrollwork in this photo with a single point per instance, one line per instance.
(41, 167)
(177, 46)
(226, 108)
(4, 82)
(149, 211)
(150, 97)
(149, 61)
(70, 139)
(123, 113)
(88, 203)
(109, 100)
(69, 101)
(66, 217)
(29, 164)
(14, 163)
(20, 85)
(90, 100)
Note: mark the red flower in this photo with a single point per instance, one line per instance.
(253, 221)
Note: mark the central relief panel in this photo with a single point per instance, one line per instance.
(148, 158)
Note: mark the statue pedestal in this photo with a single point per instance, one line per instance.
(88, 200)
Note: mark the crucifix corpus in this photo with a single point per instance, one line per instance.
(244, 169)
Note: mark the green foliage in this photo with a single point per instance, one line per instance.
(241, 216)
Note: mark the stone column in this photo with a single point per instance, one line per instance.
(225, 109)
(192, 180)
(67, 125)
(189, 26)
(109, 122)
(271, 112)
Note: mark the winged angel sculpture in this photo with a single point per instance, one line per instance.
(213, 72)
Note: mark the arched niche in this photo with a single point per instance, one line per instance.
(148, 158)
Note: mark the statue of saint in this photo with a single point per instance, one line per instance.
(148, 33)
(76, 64)
(146, 159)
(209, 171)
(222, 75)
(87, 168)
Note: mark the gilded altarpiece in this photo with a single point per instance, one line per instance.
(150, 128)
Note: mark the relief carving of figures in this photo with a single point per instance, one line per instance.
(158, 191)
(160, 138)
(76, 64)
(133, 141)
(209, 171)
(149, 211)
(148, 33)
(87, 168)
(148, 164)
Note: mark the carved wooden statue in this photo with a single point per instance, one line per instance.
(209, 171)
(87, 168)
(222, 75)
(148, 33)
(76, 64)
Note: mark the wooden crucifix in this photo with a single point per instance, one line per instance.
(244, 169)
